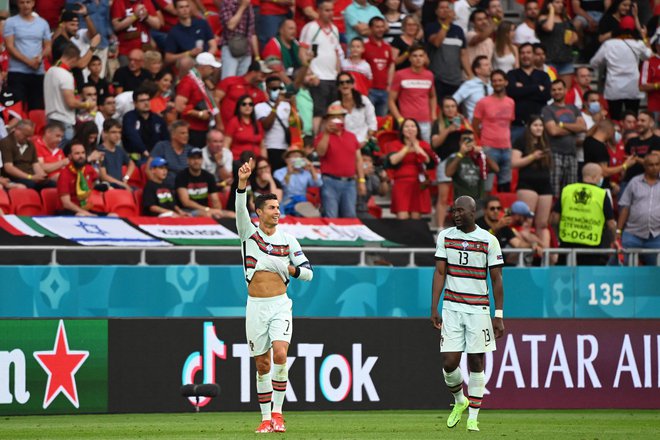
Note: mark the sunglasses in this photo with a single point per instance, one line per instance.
(247, 104)
(347, 81)
(495, 208)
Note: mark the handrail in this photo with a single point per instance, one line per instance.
(362, 251)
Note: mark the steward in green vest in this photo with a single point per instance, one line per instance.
(582, 217)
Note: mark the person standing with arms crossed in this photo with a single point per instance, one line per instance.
(270, 258)
(463, 255)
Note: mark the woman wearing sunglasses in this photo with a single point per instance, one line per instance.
(243, 132)
(361, 117)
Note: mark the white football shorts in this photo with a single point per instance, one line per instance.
(466, 332)
(267, 320)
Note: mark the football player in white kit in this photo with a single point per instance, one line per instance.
(270, 258)
(464, 256)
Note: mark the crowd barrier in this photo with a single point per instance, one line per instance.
(336, 291)
(138, 365)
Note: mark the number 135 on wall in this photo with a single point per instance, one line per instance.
(606, 294)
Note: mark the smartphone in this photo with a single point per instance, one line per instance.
(315, 50)
(288, 94)
(507, 212)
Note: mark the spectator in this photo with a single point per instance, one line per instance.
(262, 182)
(246, 157)
(305, 11)
(273, 115)
(295, 177)
(587, 14)
(473, 90)
(131, 76)
(495, 11)
(492, 118)
(358, 68)
(505, 56)
(581, 85)
(102, 85)
(27, 39)
(75, 184)
(239, 40)
(99, 11)
(617, 54)
(379, 55)
(360, 118)
(557, 34)
(638, 147)
(393, 16)
(539, 62)
(521, 223)
(19, 157)
(526, 31)
(87, 94)
(284, 47)
(87, 133)
(650, 78)
(468, 169)
(341, 161)
(410, 187)
(445, 139)
(610, 21)
(231, 89)
(271, 15)
(583, 211)
(162, 103)
(142, 129)
(563, 122)
(197, 191)
(357, 16)
(174, 151)
(59, 92)
(377, 183)
(409, 88)
(596, 151)
(592, 112)
(479, 41)
(402, 44)
(195, 102)
(216, 159)
(167, 14)
(629, 121)
(132, 21)
(244, 133)
(114, 157)
(529, 88)
(463, 10)
(87, 40)
(446, 43)
(323, 37)
(159, 199)
(190, 36)
(532, 156)
(153, 64)
(639, 218)
(51, 157)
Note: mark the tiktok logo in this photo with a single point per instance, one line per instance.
(213, 347)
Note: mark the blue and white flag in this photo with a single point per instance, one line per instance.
(97, 231)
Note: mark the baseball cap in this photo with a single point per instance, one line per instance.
(336, 109)
(67, 16)
(206, 59)
(627, 23)
(259, 66)
(195, 152)
(157, 161)
(520, 208)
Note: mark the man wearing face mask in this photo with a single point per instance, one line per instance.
(584, 213)
(274, 117)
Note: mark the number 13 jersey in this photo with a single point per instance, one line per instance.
(468, 257)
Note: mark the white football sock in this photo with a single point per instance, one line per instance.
(454, 381)
(476, 392)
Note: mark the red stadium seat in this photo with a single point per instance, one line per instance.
(373, 208)
(121, 202)
(314, 196)
(96, 202)
(137, 194)
(5, 203)
(39, 119)
(136, 180)
(507, 199)
(50, 201)
(26, 201)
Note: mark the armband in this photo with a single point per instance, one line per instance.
(296, 273)
(362, 180)
(561, 124)
(460, 155)
(499, 314)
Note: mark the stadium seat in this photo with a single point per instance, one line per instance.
(96, 201)
(137, 195)
(507, 199)
(136, 180)
(39, 119)
(5, 203)
(50, 201)
(26, 201)
(121, 202)
(373, 208)
(314, 196)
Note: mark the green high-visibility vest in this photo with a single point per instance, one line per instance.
(582, 217)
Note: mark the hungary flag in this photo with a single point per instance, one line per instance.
(187, 231)
(329, 231)
(23, 226)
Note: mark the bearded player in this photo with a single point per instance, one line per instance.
(270, 258)
(464, 255)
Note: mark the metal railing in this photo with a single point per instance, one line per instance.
(522, 253)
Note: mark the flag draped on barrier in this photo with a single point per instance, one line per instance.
(191, 231)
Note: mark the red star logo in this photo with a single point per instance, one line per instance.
(61, 364)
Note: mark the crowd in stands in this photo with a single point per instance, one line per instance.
(548, 119)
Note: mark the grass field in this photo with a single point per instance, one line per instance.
(400, 425)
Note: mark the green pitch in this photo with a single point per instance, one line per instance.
(399, 425)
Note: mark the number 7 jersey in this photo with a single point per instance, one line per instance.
(468, 257)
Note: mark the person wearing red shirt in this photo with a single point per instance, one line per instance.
(582, 84)
(244, 132)
(411, 196)
(338, 15)
(341, 161)
(195, 102)
(76, 181)
(649, 80)
(410, 88)
(304, 13)
(50, 156)
(271, 15)
(132, 21)
(232, 88)
(168, 14)
(378, 53)
(284, 47)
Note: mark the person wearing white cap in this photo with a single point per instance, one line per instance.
(195, 102)
(189, 37)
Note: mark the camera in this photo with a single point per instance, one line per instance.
(298, 162)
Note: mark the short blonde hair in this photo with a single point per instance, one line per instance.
(151, 57)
